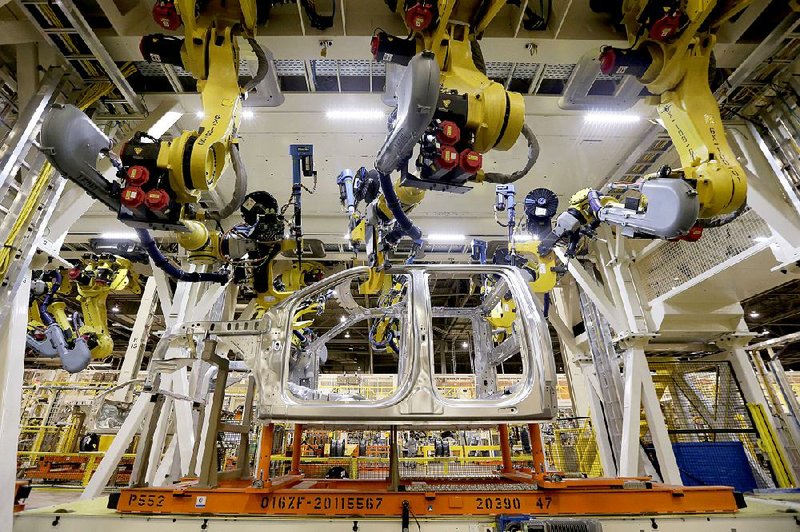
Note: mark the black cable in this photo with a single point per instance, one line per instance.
(263, 66)
(415, 518)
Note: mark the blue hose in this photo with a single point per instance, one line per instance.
(594, 201)
(394, 236)
(47, 319)
(170, 269)
(393, 203)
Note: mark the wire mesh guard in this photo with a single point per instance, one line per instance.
(702, 402)
(675, 263)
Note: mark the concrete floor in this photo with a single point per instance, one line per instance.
(41, 497)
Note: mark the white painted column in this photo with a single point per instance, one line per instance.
(640, 392)
(769, 193)
(631, 418)
(668, 465)
(745, 374)
(27, 72)
(12, 355)
(138, 341)
(141, 409)
(561, 319)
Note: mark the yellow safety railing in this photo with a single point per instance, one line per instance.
(768, 441)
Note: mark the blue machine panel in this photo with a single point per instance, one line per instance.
(714, 464)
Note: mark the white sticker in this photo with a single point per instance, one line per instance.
(200, 502)
(249, 203)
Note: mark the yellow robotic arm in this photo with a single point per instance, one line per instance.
(211, 53)
(446, 102)
(95, 278)
(670, 52)
(448, 108)
(193, 162)
(161, 181)
(50, 333)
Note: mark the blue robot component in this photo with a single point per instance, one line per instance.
(478, 251)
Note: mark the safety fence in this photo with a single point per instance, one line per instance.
(570, 446)
(703, 403)
(673, 264)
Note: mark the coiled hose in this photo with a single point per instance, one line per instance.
(170, 269)
(239, 190)
(533, 155)
(393, 203)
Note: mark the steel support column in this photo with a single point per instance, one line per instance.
(12, 348)
(137, 342)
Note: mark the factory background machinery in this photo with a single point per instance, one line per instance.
(483, 265)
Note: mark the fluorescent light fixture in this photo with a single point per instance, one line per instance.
(119, 235)
(605, 117)
(342, 319)
(247, 114)
(115, 309)
(200, 114)
(163, 124)
(761, 239)
(754, 314)
(347, 334)
(355, 114)
(446, 237)
(465, 344)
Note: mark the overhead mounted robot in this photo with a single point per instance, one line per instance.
(159, 182)
(446, 108)
(671, 43)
